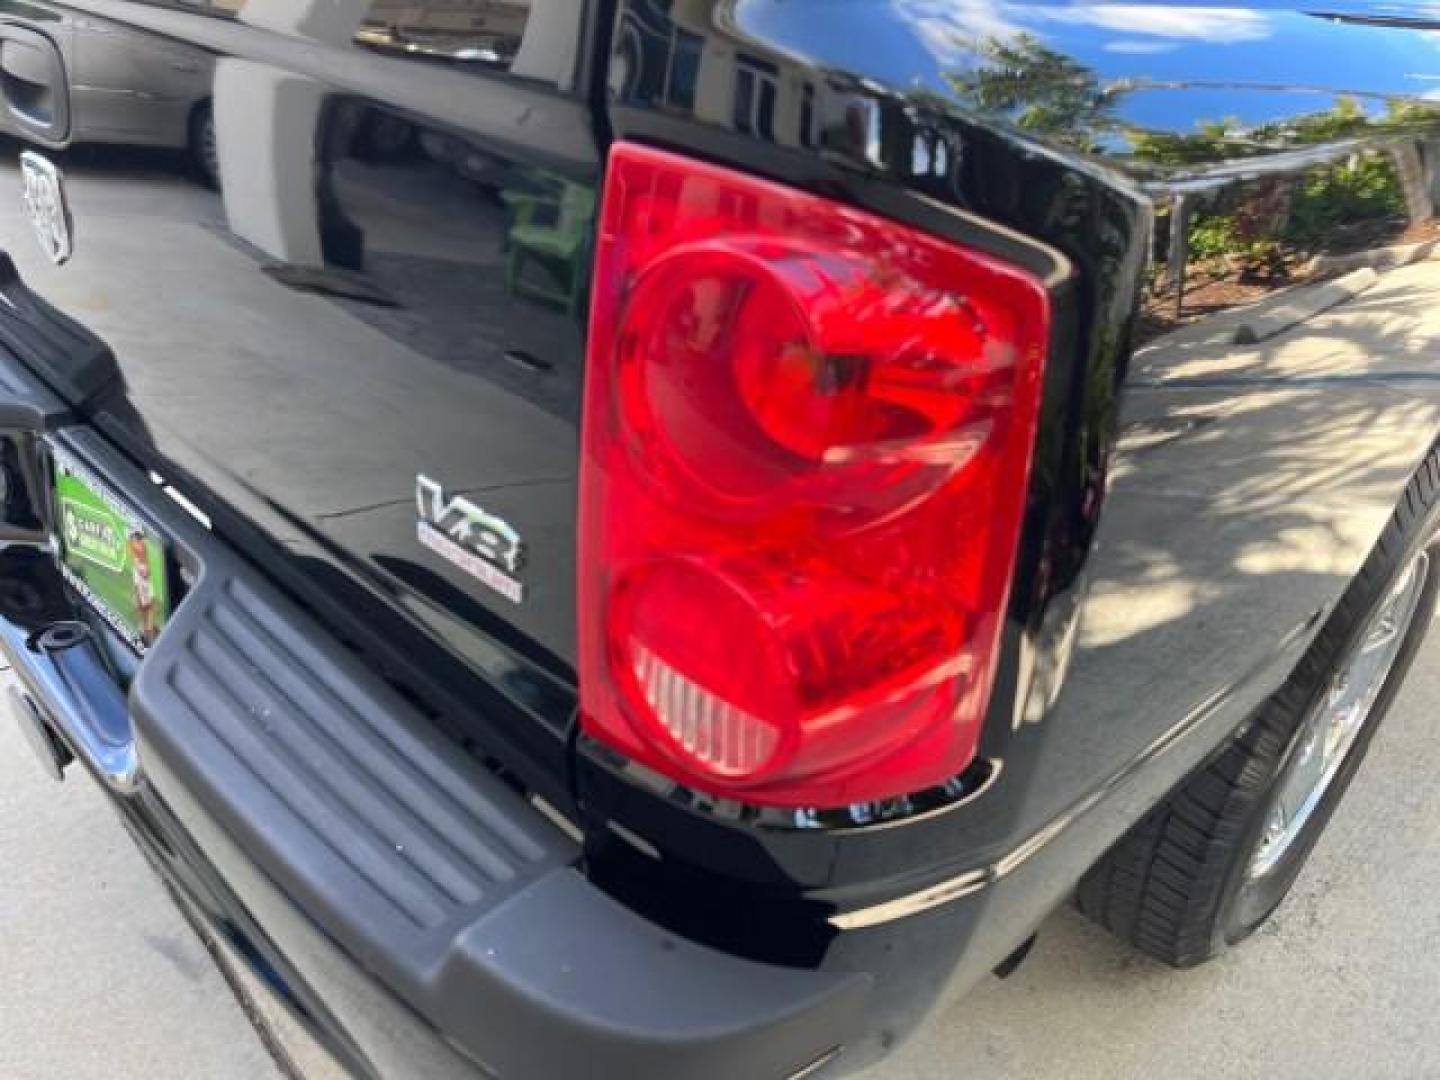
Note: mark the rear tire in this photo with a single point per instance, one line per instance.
(1210, 864)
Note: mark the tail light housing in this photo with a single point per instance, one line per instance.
(807, 436)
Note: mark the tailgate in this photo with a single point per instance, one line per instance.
(361, 356)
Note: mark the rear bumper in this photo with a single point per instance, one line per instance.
(406, 902)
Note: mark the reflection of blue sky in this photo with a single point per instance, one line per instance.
(1266, 43)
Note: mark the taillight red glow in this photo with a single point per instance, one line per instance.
(807, 437)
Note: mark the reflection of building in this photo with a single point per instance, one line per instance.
(685, 54)
(689, 56)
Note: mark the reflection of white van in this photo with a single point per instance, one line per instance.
(116, 85)
(531, 38)
(485, 30)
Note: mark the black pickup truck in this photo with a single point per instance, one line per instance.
(661, 538)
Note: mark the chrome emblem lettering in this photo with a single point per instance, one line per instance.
(46, 207)
(481, 544)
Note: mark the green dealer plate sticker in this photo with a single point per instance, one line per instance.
(111, 557)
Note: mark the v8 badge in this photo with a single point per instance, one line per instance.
(483, 545)
(46, 207)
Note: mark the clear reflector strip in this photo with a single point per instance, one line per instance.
(728, 739)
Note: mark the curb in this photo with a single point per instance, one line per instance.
(1381, 258)
(1301, 305)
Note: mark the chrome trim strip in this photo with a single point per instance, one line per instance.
(973, 880)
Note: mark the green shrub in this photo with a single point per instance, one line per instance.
(1326, 201)
(1363, 191)
(1213, 235)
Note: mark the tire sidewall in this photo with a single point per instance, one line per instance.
(1237, 919)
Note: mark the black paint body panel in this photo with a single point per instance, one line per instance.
(392, 280)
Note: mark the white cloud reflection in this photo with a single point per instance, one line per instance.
(1214, 24)
(947, 27)
(1140, 46)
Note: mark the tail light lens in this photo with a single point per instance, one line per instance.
(807, 437)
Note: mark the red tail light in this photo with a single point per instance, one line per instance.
(807, 435)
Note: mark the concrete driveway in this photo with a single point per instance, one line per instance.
(100, 976)
(101, 979)
(1341, 983)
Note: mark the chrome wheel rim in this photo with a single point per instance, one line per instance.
(1335, 722)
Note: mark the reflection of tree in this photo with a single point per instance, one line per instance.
(1345, 120)
(1212, 140)
(1372, 172)
(1227, 140)
(1304, 210)
(1039, 89)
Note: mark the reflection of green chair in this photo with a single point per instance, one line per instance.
(555, 233)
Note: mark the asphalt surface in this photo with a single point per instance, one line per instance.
(101, 978)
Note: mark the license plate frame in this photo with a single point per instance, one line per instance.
(115, 559)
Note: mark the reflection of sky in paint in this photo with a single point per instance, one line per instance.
(1169, 43)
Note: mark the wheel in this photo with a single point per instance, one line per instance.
(204, 151)
(1206, 867)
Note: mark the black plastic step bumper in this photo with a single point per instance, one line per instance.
(424, 871)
